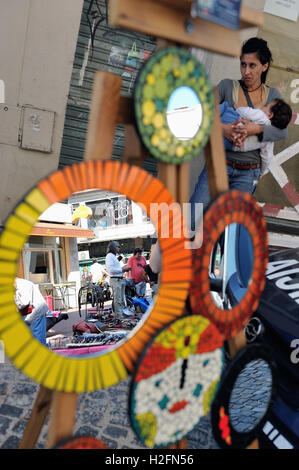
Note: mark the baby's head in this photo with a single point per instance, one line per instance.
(279, 113)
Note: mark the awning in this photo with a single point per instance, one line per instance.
(61, 230)
(120, 232)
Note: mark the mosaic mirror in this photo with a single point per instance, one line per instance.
(244, 397)
(82, 442)
(225, 215)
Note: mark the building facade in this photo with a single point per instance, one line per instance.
(112, 217)
(38, 41)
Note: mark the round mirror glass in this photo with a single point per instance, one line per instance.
(250, 397)
(231, 266)
(184, 113)
(84, 276)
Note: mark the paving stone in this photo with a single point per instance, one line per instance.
(198, 438)
(4, 424)
(11, 443)
(119, 418)
(111, 444)
(22, 401)
(9, 410)
(24, 389)
(19, 427)
(99, 395)
(91, 417)
(86, 431)
(116, 405)
(94, 405)
(212, 444)
(136, 442)
(3, 388)
(115, 431)
(119, 392)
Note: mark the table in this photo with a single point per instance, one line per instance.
(63, 289)
(47, 287)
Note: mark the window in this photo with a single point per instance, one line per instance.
(43, 260)
(108, 213)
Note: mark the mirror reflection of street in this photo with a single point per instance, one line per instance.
(231, 266)
(91, 291)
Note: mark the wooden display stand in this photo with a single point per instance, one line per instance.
(164, 19)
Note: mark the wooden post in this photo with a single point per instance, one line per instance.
(167, 173)
(215, 157)
(183, 189)
(37, 418)
(62, 417)
(218, 183)
(134, 153)
(103, 116)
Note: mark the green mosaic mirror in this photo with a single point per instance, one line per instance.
(174, 105)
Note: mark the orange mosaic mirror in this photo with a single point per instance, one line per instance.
(232, 207)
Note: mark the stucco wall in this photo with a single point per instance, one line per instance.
(37, 45)
(283, 38)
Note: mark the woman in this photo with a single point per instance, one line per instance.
(243, 168)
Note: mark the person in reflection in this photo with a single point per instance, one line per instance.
(97, 272)
(137, 263)
(277, 112)
(243, 168)
(117, 282)
(32, 306)
(151, 278)
(97, 276)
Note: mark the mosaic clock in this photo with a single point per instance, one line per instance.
(175, 381)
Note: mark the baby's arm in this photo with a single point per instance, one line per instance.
(257, 116)
(250, 143)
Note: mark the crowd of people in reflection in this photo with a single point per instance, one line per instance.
(113, 298)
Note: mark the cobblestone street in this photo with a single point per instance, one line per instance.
(102, 414)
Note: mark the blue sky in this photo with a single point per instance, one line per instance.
(183, 97)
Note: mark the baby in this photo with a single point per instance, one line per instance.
(277, 113)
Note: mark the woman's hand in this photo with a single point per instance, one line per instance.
(241, 132)
(228, 131)
(234, 133)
